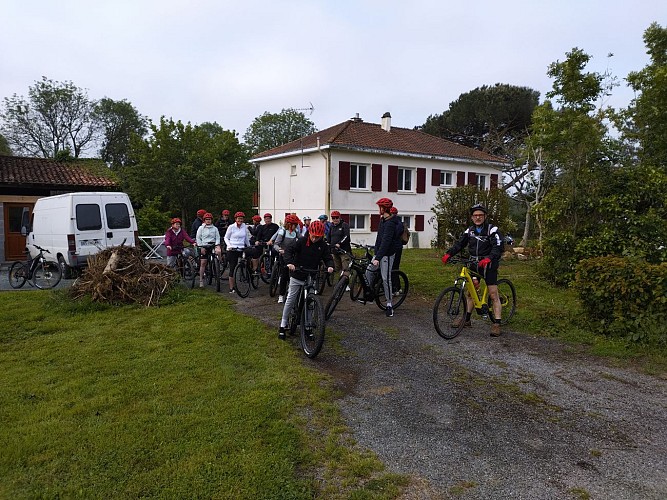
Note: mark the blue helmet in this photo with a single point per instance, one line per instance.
(323, 217)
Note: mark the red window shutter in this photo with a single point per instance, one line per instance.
(345, 218)
(392, 179)
(419, 222)
(421, 180)
(460, 179)
(472, 178)
(435, 177)
(344, 175)
(375, 222)
(494, 181)
(376, 177)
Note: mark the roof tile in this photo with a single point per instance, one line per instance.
(44, 171)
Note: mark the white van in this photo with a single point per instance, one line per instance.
(74, 226)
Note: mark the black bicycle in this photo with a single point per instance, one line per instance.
(186, 265)
(308, 313)
(37, 271)
(212, 269)
(266, 263)
(244, 276)
(276, 275)
(363, 291)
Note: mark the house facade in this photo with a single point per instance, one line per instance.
(349, 166)
(24, 180)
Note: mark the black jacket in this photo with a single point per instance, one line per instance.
(305, 253)
(487, 243)
(266, 231)
(340, 234)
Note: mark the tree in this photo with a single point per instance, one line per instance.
(117, 121)
(274, 129)
(181, 168)
(4, 146)
(57, 116)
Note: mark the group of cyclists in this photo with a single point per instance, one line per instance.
(305, 243)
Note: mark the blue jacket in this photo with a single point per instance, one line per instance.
(388, 239)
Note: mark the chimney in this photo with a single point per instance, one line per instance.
(356, 118)
(386, 122)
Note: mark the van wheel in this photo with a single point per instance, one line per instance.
(68, 272)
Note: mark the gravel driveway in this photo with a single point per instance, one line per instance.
(481, 417)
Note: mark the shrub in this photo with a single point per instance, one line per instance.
(624, 297)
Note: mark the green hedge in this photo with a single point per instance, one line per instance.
(624, 297)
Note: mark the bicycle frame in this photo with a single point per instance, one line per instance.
(465, 280)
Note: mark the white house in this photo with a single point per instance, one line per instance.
(349, 166)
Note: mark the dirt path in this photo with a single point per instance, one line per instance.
(482, 417)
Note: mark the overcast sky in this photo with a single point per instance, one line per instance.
(229, 62)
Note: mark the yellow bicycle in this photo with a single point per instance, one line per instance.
(449, 310)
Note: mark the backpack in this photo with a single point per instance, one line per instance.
(405, 235)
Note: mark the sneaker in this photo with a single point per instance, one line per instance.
(457, 322)
(201, 283)
(495, 330)
(281, 333)
(389, 312)
(398, 292)
(281, 299)
(347, 289)
(232, 290)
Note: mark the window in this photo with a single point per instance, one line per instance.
(88, 217)
(405, 219)
(292, 170)
(358, 176)
(446, 178)
(404, 179)
(480, 181)
(118, 216)
(357, 222)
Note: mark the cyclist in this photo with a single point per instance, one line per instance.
(306, 223)
(484, 242)
(173, 240)
(222, 224)
(256, 252)
(197, 222)
(305, 252)
(397, 256)
(285, 237)
(237, 238)
(324, 219)
(388, 240)
(339, 237)
(208, 239)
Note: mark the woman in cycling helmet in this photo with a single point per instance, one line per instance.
(286, 236)
(173, 241)
(237, 238)
(305, 253)
(208, 240)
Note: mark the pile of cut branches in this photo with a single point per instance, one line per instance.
(121, 275)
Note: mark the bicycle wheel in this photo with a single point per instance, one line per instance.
(195, 272)
(217, 275)
(507, 295)
(312, 326)
(337, 294)
(223, 264)
(449, 312)
(356, 286)
(398, 295)
(330, 279)
(293, 316)
(254, 278)
(17, 274)
(265, 269)
(320, 278)
(242, 279)
(47, 275)
(275, 276)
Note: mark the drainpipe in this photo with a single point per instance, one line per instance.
(327, 160)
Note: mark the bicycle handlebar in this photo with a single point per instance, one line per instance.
(41, 249)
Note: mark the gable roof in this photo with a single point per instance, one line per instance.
(355, 134)
(17, 170)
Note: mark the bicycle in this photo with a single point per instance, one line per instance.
(308, 313)
(266, 263)
(355, 278)
(185, 265)
(244, 276)
(38, 271)
(212, 269)
(274, 283)
(449, 310)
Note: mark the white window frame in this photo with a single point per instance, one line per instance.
(480, 181)
(354, 218)
(413, 177)
(443, 178)
(406, 220)
(354, 176)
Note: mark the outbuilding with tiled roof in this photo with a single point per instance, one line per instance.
(349, 166)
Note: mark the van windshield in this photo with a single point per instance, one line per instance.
(118, 216)
(88, 217)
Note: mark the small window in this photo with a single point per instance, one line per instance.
(88, 217)
(480, 180)
(357, 222)
(446, 178)
(405, 179)
(405, 219)
(293, 170)
(358, 176)
(118, 216)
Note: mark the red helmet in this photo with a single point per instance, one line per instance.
(225, 212)
(208, 215)
(316, 228)
(201, 212)
(267, 214)
(393, 210)
(239, 214)
(335, 213)
(175, 220)
(385, 202)
(291, 219)
(256, 218)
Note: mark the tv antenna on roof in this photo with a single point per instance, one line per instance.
(309, 109)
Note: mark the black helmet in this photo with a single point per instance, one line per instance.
(478, 206)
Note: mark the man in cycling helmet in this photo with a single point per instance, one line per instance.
(327, 225)
(387, 242)
(223, 223)
(237, 238)
(173, 241)
(199, 220)
(339, 238)
(484, 243)
(305, 253)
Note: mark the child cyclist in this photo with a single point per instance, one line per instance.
(307, 252)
